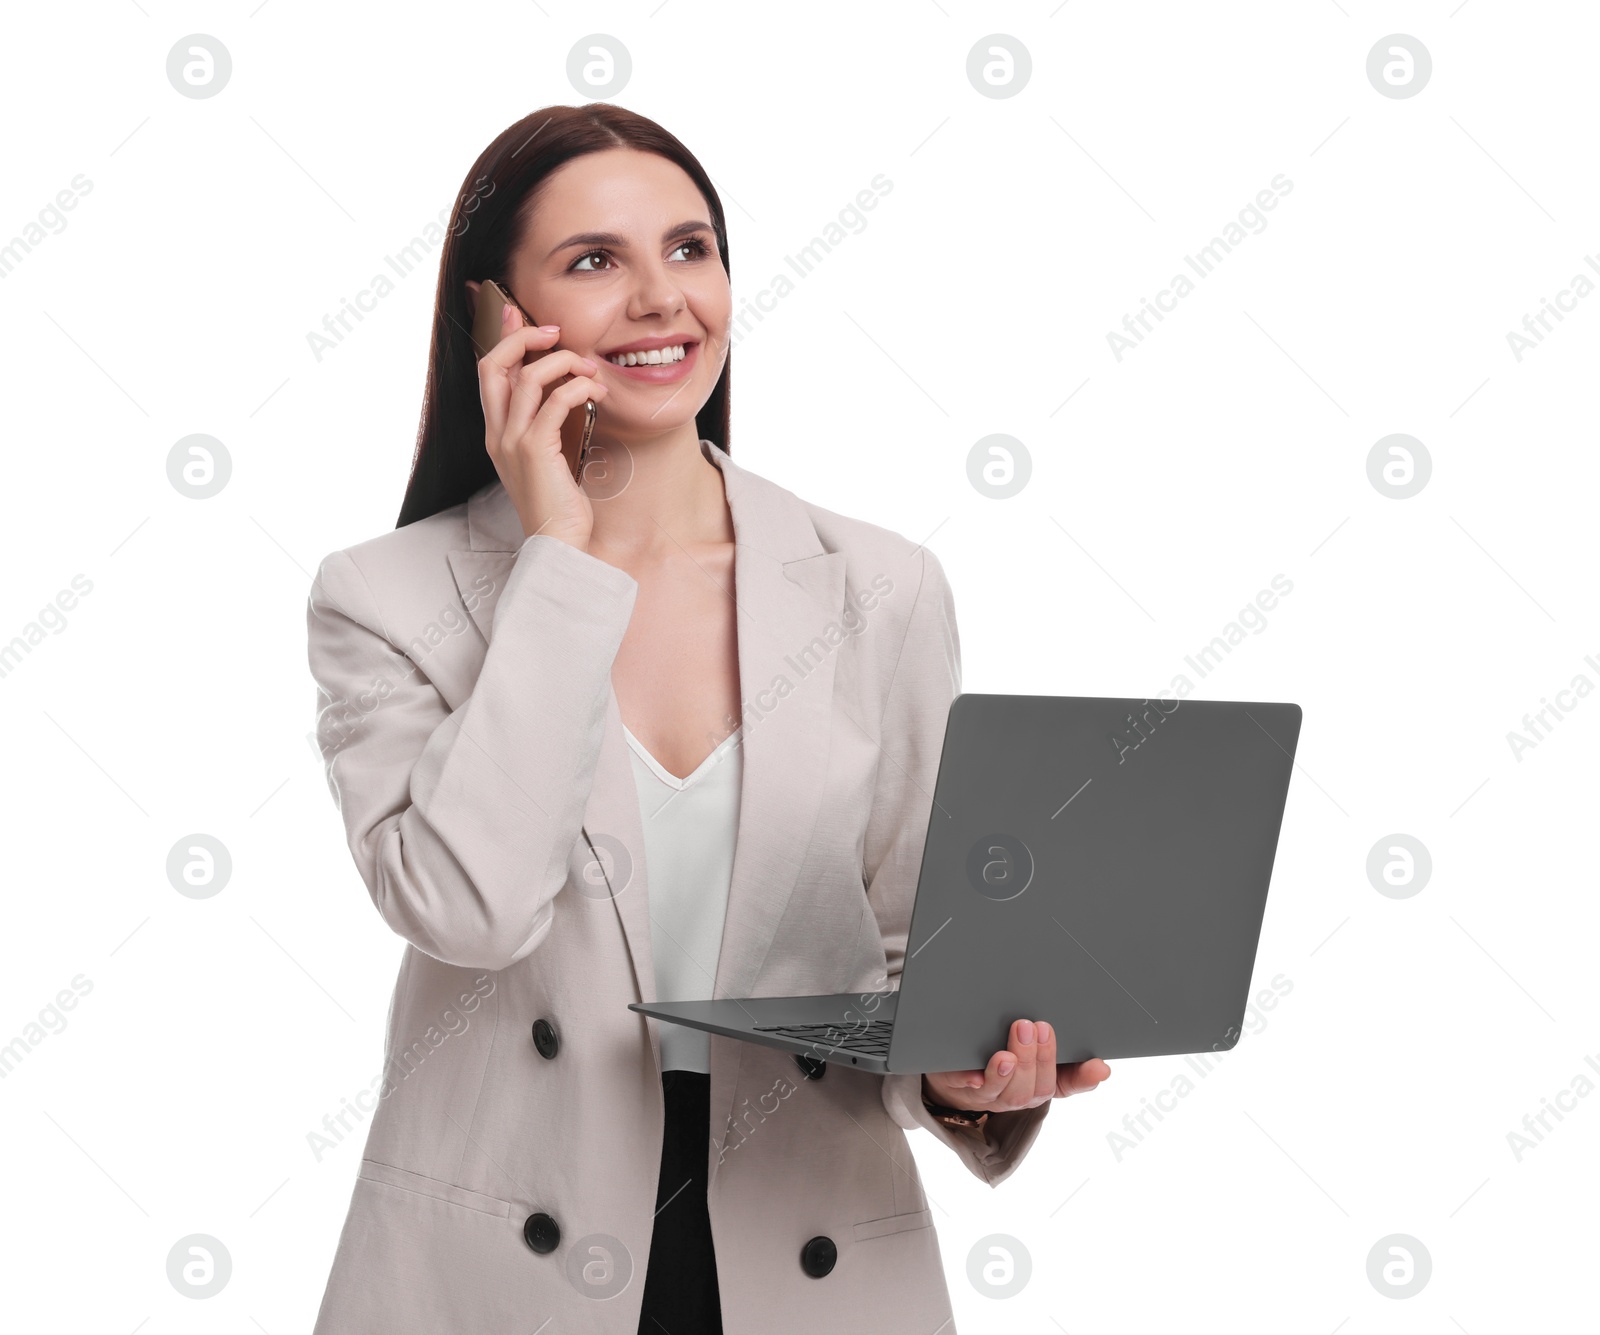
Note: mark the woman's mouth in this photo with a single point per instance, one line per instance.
(658, 366)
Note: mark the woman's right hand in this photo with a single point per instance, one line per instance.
(523, 416)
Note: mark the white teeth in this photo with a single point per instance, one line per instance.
(655, 357)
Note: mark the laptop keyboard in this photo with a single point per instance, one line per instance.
(870, 1041)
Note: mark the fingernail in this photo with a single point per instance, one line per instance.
(550, 328)
(1044, 1032)
(1006, 1067)
(590, 364)
(1025, 1032)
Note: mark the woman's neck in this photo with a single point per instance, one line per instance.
(657, 497)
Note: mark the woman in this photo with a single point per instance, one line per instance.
(655, 728)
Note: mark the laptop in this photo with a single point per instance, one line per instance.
(1101, 864)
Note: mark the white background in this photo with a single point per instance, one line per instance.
(1168, 488)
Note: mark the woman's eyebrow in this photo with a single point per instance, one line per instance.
(615, 242)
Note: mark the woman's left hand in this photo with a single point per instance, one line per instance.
(1022, 1075)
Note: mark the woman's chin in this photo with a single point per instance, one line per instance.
(638, 429)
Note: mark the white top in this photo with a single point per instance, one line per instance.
(689, 829)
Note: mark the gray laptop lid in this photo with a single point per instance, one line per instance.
(1101, 864)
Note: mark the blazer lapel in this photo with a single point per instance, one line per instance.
(475, 571)
(787, 590)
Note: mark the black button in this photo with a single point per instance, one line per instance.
(543, 1234)
(818, 1255)
(812, 1066)
(544, 1037)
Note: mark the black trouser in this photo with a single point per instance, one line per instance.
(680, 1286)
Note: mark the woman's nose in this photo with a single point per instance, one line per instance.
(658, 290)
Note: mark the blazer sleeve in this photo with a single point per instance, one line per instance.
(462, 823)
(926, 678)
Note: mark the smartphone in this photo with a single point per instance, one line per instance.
(492, 299)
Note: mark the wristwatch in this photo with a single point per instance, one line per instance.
(958, 1117)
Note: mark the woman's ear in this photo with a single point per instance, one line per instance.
(472, 296)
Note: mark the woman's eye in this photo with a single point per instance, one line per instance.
(696, 247)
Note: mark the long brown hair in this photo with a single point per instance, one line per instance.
(487, 225)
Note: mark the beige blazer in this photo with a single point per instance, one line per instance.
(475, 750)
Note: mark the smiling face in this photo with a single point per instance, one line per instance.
(621, 254)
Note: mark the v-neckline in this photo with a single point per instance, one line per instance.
(665, 775)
